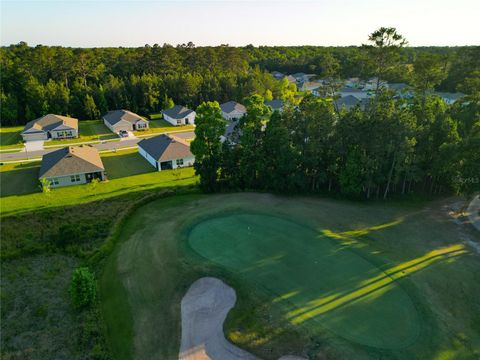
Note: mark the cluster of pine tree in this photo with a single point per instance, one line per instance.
(393, 146)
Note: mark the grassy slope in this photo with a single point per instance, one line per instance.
(404, 240)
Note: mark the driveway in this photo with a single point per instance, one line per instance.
(34, 145)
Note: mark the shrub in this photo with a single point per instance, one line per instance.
(83, 288)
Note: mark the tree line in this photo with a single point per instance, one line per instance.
(85, 83)
(395, 145)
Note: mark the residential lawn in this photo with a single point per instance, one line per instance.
(16, 201)
(125, 163)
(19, 178)
(10, 137)
(314, 277)
(89, 130)
(161, 126)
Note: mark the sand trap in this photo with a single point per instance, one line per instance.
(204, 309)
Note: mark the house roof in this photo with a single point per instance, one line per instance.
(115, 116)
(450, 96)
(291, 79)
(232, 106)
(299, 75)
(71, 160)
(275, 104)
(350, 90)
(397, 86)
(178, 112)
(348, 101)
(165, 147)
(50, 122)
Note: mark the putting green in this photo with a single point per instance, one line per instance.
(313, 280)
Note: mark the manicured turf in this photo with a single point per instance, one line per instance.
(311, 278)
(125, 163)
(10, 137)
(390, 281)
(19, 178)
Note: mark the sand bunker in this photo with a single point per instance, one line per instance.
(204, 309)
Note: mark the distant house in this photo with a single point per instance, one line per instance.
(291, 79)
(232, 110)
(347, 102)
(117, 120)
(371, 84)
(275, 105)
(359, 94)
(50, 126)
(449, 98)
(309, 85)
(179, 115)
(278, 75)
(72, 165)
(398, 86)
(353, 82)
(166, 152)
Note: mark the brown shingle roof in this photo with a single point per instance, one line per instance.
(165, 147)
(50, 122)
(71, 160)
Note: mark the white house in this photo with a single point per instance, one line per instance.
(232, 110)
(117, 120)
(179, 115)
(50, 126)
(166, 152)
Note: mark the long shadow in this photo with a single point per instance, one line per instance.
(390, 277)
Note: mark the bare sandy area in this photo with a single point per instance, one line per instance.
(204, 309)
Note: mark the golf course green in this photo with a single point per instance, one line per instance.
(318, 278)
(313, 280)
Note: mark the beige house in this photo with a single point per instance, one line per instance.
(166, 152)
(117, 120)
(72, 165)
(50, 126)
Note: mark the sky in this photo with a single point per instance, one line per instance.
(103, 23)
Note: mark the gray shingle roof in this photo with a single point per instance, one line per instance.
(71, 160)
(177, 112)
(347, 101)
(115, 116)
(50, 122)
(165, 147)
(231, 106)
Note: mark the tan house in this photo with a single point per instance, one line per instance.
(117, 120)
(72, 165)
(50, 126)
(232, 110)
(166, 152)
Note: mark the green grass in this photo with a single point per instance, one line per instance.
(158, 125)
(19, 178)
(125, 163)
(384, 272)
(10, 137)
(311, 279)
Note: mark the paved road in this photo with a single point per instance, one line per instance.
(110, 145)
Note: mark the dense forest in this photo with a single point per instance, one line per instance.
(85, 83)
(395, 145)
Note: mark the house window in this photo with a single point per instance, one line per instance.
(179, 162)
(75, 178)
(55, 181)
(179, 122)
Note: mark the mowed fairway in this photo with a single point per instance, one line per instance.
(313, 280)
(319, 278)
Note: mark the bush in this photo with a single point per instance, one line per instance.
(83, 288)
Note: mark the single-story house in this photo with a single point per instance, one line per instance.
(50, 126)
(275, 104)
(449, 98)
(309, 85)
(347, 102)
(232, 110)
(179, 115)
(278, 75)
(117, 120)
(166, 152)
(71, 166)
(358, 93)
